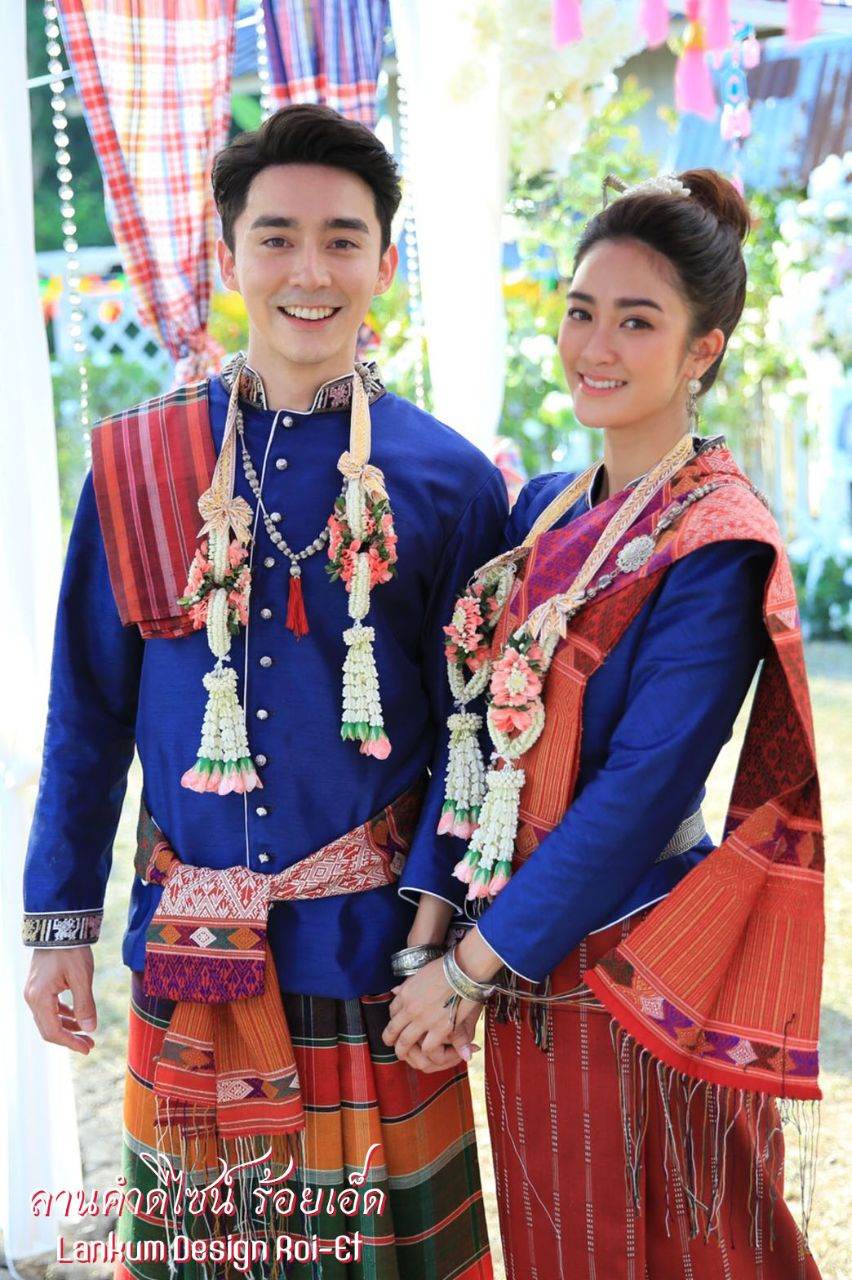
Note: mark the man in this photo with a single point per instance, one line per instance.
(282, 799)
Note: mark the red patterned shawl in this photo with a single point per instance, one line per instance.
(150, 465)
(722, 980)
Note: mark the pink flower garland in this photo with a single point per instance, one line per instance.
(200, 583)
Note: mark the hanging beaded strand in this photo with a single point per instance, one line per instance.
(68, 211)
(297, 619)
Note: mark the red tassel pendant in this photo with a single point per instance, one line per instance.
(297, 619)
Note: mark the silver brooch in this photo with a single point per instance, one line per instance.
(635, 553)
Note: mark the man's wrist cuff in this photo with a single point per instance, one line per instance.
(61, 928)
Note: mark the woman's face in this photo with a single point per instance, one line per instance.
(624, 340)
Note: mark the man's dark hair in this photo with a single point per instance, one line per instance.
(305, 134)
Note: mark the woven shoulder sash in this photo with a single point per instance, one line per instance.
(150, 465)
(722, 980)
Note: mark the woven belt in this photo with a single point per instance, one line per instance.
(690, 831)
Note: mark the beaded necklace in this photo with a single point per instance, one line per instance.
(362, 554)
(483, 806)
(296, 620)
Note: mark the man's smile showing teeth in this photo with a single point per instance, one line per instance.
(309, 313)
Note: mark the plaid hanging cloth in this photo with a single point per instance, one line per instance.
(327, 51)
(155, 83)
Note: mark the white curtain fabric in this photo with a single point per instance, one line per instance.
(459, 165)
(38, 1127)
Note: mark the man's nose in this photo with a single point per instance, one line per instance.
(309, 269)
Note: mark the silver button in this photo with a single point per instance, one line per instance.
(287, 421)
(260, 760)
(262, 713)
(261, 811)
(275, 517)
(269, 562)
(263, 857)
(281, 464)
(266, 614)
(266, 661)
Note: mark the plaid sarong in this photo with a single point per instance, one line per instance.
(357, 1096)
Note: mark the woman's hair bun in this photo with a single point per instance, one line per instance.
(718, 195)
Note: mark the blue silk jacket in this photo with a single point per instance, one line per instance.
(111, 691)
(655, 717)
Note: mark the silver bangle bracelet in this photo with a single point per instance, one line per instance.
(410, 959)
(463, 986)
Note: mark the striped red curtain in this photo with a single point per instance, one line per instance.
(154, 79)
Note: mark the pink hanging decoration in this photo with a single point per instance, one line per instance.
(802, 19)
(567, 22)
(736, 122)
(654, 21)
(718, 25)
(693, 82)
(751, 52)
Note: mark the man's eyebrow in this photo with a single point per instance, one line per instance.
(331, 224)
(348, 224)
(619, 302)
(273, 220)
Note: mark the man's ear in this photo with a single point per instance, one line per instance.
(227, 266)
(387, 270)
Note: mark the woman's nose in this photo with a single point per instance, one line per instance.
(599, 343)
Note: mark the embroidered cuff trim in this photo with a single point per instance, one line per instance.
(61, 928)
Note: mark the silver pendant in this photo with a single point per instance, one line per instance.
(635, 553)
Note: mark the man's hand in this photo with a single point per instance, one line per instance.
(421, 1028)
(52, 971)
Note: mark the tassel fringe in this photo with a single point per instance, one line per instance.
(465, 778)
(297, 619)
(487, 865)
(224, 763)
(699, 1119)
(362, 707)
(200, 1203)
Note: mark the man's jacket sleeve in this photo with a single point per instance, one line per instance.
(88, 747)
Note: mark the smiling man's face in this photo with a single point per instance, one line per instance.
(307, 260)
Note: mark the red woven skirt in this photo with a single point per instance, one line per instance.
(609, 1168)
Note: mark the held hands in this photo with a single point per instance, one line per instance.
(422, 1029)
(52, 971)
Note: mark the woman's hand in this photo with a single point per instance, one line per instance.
(422, 1028)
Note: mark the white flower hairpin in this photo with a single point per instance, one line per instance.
(665, 184)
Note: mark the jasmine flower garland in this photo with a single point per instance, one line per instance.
(516, 677)
(362, 554)
(362, 549)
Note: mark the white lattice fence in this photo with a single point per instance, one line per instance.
(111, 328)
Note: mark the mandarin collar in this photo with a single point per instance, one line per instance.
(331, 397)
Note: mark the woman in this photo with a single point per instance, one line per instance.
(631, 1094)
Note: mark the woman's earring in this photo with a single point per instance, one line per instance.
(693, 387)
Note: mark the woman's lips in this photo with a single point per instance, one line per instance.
(600, 386)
